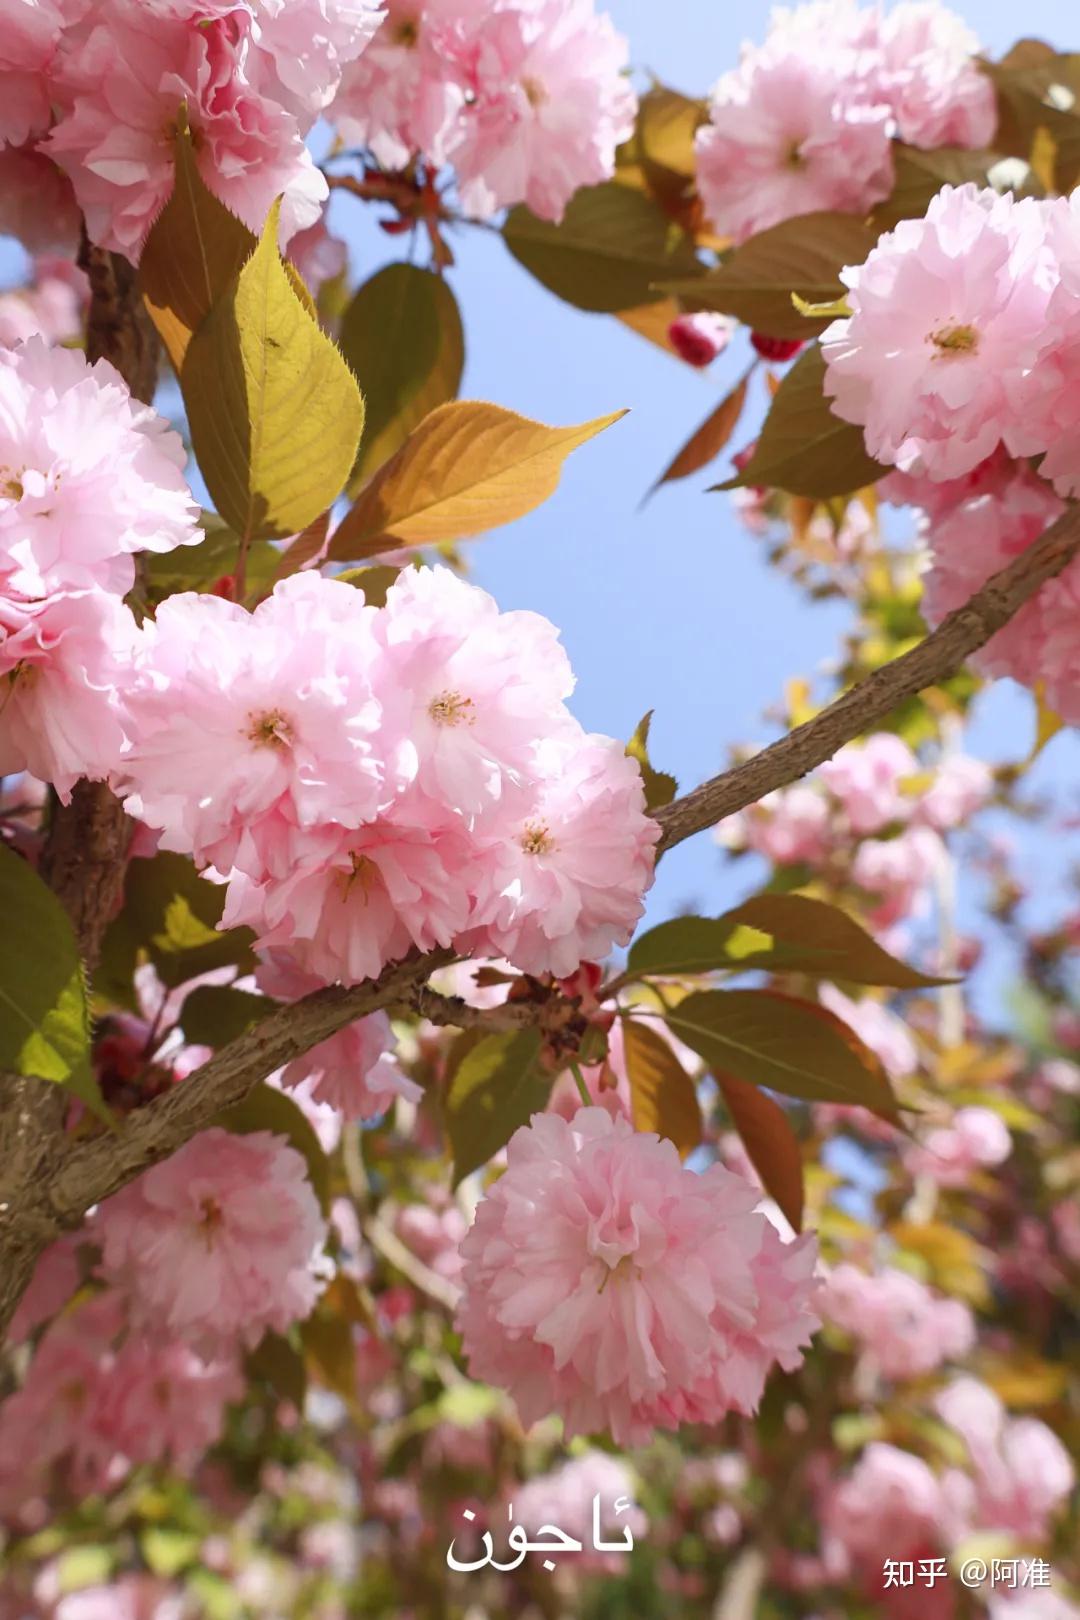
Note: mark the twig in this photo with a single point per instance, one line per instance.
(935, 659)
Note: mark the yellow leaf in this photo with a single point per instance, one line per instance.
(706, 443)
(660, 787)
(1043, 158)
(956, 1263)
(467, 468)
(662, 1095)
(835, 310)
(1024, 1380)
(275, 413)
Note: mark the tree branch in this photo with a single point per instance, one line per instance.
(935, 659)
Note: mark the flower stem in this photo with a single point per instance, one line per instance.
(579, 1079)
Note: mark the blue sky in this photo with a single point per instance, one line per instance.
(670, 608)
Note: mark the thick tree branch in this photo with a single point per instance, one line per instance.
(937, 658)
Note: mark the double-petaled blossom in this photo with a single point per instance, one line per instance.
(354, 1071)
(252, 76)
(526, 98)
(806, 119)
(900, 1325)
(88, 476)
(607, 1283)
(218, 1243)
(251, 730)
(941, 358)
(1021, 1473)
(370, 781)
(102, 1399)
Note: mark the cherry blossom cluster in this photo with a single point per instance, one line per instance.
(373, 780)
(893, 1504)
(900, 1325)
(605, 1282)
(88, 479)
(200, 1256)
(806, 121)
(96, 85)
(874, 794)
(958, 361)
(527, 99)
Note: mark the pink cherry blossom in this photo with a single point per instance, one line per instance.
(318, 255)
(939, 361)
(930, 79)
(131, 1597)
(868, 780)
(897, 1321)
(360, 899)
(791, 131)
(55, 1279)
(1003, 511)
(52, 307)
(549, 104)
(406, 94)
(565, 1495)
(55, 1412)
(305, 45)
(468, 691)
(1023, 1474)
(434, 1234)
(896, 871)
(37, 204)
(563, 882)
(698, 339)
(976, 1139)
(217, 1243)
(355, 1071)
(891, 1505)
(120, 79)
(61, 661)
(607, 1283)
(29, 33)
(789, 826)
(88, 476)
(883, 1032)
(157, 1399)
(275, 729)
(961, 786)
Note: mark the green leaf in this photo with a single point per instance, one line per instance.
(374, 582)
(171, 913)
(497, 1087)
(611, 249)
(44, 1020)
(660, 788)
(467, 468)
(267, 1109)
(803, 448)
(810, 936)
(215, 1014)
(662, 1094)
(784, 1044)
(168, 1549)
(275, 413)
(198, 568)
(403, 338)
(194, 251)
(799, 258)
(770, 1142)
(329, 1351)
(710, 438)
(921, 174)
(785, 933)
(276, 1363)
